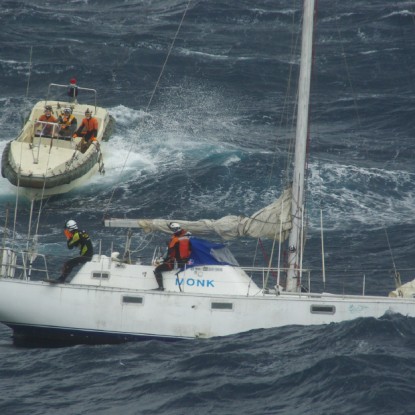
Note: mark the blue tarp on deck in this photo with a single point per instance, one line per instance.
(209, 253)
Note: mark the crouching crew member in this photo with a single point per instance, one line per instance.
(179, 250)
(76, 238)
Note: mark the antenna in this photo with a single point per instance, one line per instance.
(397, 276)
(4, 242)
(30, 71)
(323, 263)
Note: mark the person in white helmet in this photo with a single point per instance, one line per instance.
(76, 238)
(67, 124)
(178, 251)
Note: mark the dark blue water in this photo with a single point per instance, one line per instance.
(213, 139)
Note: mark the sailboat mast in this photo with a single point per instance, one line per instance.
(297, 206)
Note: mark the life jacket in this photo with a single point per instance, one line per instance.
(47, 129)
(88, 128)
(171, 247)
(179, 246)
(44, 118)
(65, 121)
(184, 248)
(81, 239)
(90, 124)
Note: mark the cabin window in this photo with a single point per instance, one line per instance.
(101, 275)
(222, 306)
(132, 300)
(322, 309)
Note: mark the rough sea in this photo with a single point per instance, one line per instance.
(203, 106)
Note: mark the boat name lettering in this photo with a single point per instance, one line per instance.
(191, 282)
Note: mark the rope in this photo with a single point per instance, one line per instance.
(30, 71)
(151, 98)
(287, 118)
(346, 66)
(168, 55)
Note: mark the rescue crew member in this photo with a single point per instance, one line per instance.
(178, 251)
(76, 238)
(88, 130)
(44, 120)
(73, 89)
(67, 124)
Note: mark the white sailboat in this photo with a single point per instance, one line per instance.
(112, 299)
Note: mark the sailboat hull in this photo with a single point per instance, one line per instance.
(39, 312)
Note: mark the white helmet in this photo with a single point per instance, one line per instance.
(71, 225)
(175, 227)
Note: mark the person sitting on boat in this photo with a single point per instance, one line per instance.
(73, 90)
(45, 122)
(67, 124)
(76, 238)
(88, 130)
(178, 252)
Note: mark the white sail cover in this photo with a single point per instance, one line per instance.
(267, 223)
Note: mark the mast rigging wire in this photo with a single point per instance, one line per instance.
(151, 97)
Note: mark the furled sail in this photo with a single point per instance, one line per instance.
(267, 223)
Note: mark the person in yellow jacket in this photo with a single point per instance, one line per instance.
(76, 238)
(67, 124)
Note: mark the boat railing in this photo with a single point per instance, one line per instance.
(20, 264)
(66, 87)
(273, 277)
(42, 130)
(45, 129)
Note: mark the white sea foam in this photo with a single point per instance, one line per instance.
(351, 195)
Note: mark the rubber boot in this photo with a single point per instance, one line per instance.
(159, 279)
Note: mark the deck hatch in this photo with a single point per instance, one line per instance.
(322, 309)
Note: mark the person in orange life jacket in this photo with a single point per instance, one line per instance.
(67, 124)
(88, 130)
(47, 117)
(179, 250)
(73, 89)
(76, 238)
